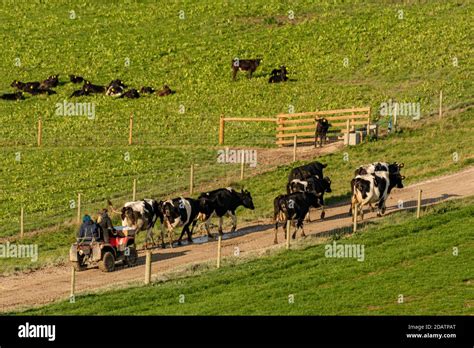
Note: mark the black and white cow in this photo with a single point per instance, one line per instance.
(306, 171)
(374, 188)
(181, 212)
(249, 65)
(142, 215)
(293, 206)
(322, 127)
(223, 202)
(312, 184)
(378, 167)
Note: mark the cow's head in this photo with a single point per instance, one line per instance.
(247, 199)
(128, 217)
(170, 212)
(327, 184)
(396, 180)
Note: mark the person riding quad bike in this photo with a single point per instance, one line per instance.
(106, 226)
(89, 229)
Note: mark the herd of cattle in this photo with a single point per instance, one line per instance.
(306, 187)
(115, 88)
(118, 89)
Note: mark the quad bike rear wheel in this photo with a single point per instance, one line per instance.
(107, 264)
(79, 264)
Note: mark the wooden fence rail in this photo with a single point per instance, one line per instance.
(303, 125)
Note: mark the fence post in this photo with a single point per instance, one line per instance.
(191, 180)
(418, 207)
(279, 126)
(242, 166)
(21, 222)
(148, 267)
(294, 149)
(130, 131)
(348, 122)
(440, 104)
(221, 130)
(355, 213)
(134, 190)
(288, 223)
(40, 131)
(219, 242)
(78, 208)
(73, 282)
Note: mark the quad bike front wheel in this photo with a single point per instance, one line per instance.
(132, 258)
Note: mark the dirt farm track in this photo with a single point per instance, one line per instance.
(51, 284)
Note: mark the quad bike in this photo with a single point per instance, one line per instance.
(90, 252)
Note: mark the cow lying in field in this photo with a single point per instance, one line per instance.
(293, 206)
(90, 88)
(249, 65)
(76, 79)
(165, 91)
(278, 75)
(12, 96)
(322, 127)
(223, 202)
(50, 82)
(33, 88)
(147, 90)
(373, 188)
(142, 216)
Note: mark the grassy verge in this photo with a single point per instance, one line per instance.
(402, 256)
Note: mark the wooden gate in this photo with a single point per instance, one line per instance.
(303, 125)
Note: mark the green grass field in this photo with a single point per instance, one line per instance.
(427, 261)
(407, 59)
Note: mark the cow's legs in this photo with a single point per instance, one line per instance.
(234, 73)
(297, 226)
(207, 224)
(275, 240)
(185, 229)
(323, 213)
(221, 218)
(234, 221)
(190, 233)
(170, 234)
(163, 245)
